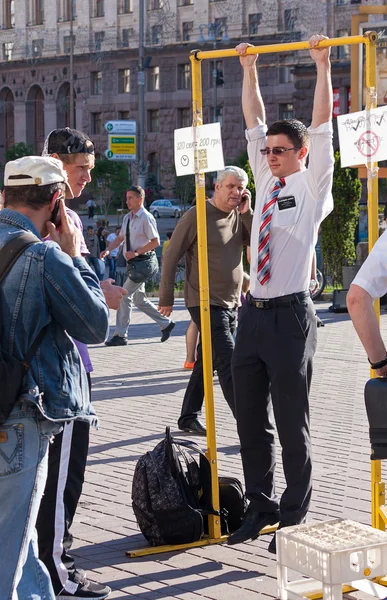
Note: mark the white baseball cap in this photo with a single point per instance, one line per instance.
(35, 170)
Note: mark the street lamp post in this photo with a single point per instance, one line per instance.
(141, 97)
(214, 31)
(71, 65)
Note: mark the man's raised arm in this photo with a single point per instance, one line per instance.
(252, 103)
(323, 96)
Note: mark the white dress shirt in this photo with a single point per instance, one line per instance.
(372, 276)
(294, 230)
(142, 229)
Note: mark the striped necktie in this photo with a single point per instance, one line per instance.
(264, 233)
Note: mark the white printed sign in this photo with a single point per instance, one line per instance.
(198, 149)
(363, 137)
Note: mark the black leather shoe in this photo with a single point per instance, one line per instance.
(117, 340)
(165, 333)
(195, 427)
(253, 522)
(272, 548)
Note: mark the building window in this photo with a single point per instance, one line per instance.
(123, 115)
(285, 111)
(285, 74)
(155, 4)
(343, 51)
(7, 50)
(187, 30)
(99, 8)
(185, 2)
(67, 6)
(96, 83)
(37, 48)
(290, 18)
(67, 43)
(125, 6)
(99, 37)
(125, 38)
(37, 12)
(254, 22)
(154, 165)
(340, 2)
(154, 79)
(96, 123)
(184, 117)
(156, 34)
(184, 77)
(9, 14)
(123, 81)
(216, 72)
(153, 121)
(220, 26)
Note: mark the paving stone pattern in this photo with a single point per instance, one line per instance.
(137, 391)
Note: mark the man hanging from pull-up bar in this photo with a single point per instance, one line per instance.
(276, 339)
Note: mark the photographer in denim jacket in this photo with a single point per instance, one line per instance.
(49, 285)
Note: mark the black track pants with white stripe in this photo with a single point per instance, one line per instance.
(66, 469)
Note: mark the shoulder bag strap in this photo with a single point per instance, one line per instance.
(8, 256)
(128, 234)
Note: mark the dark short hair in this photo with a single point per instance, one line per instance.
(34, 196)
(69, 141)
(293, 129)
(90, 227)
(138, 189)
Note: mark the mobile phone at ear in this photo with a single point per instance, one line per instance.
(55, 216)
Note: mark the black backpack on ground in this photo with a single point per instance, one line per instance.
(171, 494)
(12, 370)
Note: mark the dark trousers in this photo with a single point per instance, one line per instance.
(223, 323)
(66, 472)
(272, 370)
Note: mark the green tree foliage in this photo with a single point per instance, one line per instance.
(109, 181)
(152, 189)
(338, 229)
(18, 150)
(184, 189)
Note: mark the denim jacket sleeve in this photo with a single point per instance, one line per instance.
(75, 296)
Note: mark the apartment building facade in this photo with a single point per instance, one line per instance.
(37, 38)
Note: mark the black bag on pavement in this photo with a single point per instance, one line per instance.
(12, 370)
(233, 503)
(170, 492)
(143, 267)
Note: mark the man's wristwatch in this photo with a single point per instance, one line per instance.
(378, 365)
(136, 254)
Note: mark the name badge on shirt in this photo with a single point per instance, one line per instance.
(286, 202)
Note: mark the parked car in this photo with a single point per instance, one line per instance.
(166, 208)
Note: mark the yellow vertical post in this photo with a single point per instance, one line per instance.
(214, 522)
(377, 485)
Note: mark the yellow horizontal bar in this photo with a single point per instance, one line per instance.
(288, 47)
(206, 541)
(319, 594)
(382, 580)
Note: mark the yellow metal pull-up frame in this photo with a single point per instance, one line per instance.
(379, 512)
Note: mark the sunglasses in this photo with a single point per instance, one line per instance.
(276, 150)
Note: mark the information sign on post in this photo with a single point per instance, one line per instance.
(362, 136)
(121, 147)
(122, 140)
(198, 149)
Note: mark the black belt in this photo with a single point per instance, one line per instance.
(277, 302)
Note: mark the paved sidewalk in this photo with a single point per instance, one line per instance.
(137, 391)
